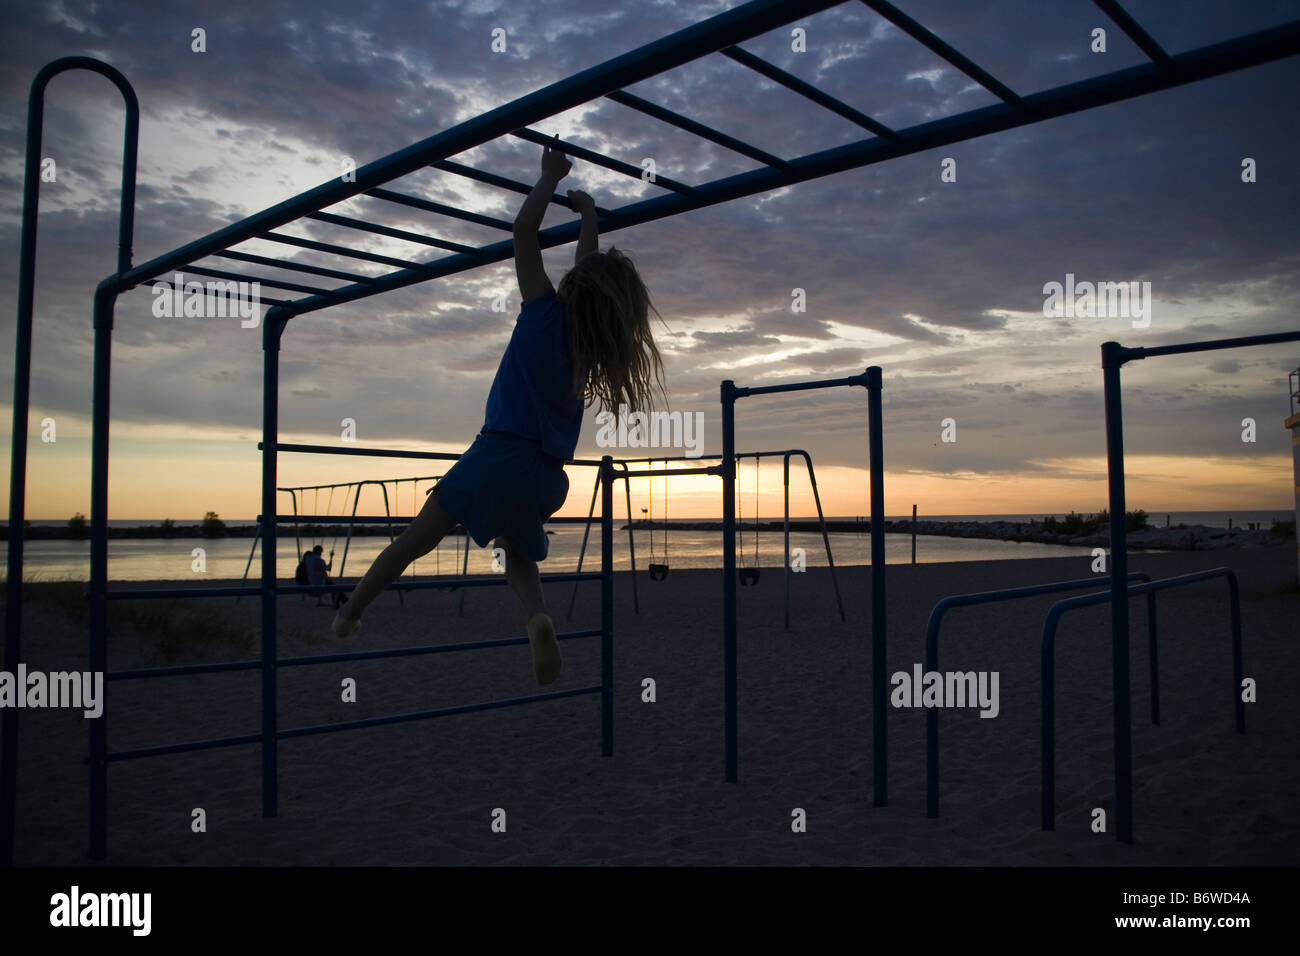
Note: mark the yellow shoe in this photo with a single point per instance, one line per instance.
(546, 649)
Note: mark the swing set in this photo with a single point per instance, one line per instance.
(747, 575)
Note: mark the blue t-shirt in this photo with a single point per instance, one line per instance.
(531, 394)
(315, 565)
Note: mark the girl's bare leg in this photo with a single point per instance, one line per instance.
(526, 581)
(421, 536)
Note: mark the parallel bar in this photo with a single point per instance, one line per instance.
(271, 283)
(424, 649)
(600, 159)
(1135, 32)
(1047, 768)
(917, 32)
(337, 250)
(503, 182)
(440, 712)
(713, 470)
(808, 91)
(1276, 338)
(442, 209)
(368, 452)
(803, 386)
(932, 630)
(1120, 85)
(188, 747)
(730, 27)
(293, 266)
(363, 226)
(184, 670)
(699, 129)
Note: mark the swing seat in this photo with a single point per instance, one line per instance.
(658, 572)
(748, 576)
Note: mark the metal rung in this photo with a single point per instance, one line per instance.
(600, 159)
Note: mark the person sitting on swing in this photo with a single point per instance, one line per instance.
(318, 573)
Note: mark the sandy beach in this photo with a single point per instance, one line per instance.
(424, 792)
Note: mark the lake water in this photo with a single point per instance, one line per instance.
(171, 559)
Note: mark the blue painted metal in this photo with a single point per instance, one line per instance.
(730, 705)
(871, 379)
(1048, 676)
(22, 381)
(932, 657)
(607, 606)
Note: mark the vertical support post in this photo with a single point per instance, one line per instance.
(1238, 669)
(914, 534)
(22, 383)
(730, 704)
(272, 328)
(785, 475)
(1112, 360)
(607, 606)
(879, 680)
(105, 299)
(1153, 656)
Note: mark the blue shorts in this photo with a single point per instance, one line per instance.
(505, 486)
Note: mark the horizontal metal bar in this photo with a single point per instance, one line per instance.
(338, 250)
(290, 518)
(294, 266)
(725, 29)
(447, 582)
(272, 283)
(699, 129)
(360, 450)
(183, 670)
(1125, 84)
(423, 649)
(1132, 354)
(147, 594)
(363, 481)
(360, 224)
(440, 712)
(600, 159)
(917, 32)
(502, 182)
(1135, 32)
(715, 470)
(442, 209)
(189, 747)
(741, 392)
(808, 91)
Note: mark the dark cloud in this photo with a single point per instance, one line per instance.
(939, 283)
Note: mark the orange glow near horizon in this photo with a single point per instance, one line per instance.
(152, 479)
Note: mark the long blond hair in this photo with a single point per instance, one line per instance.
(615, 360)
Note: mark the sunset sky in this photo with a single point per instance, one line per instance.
(940, 283)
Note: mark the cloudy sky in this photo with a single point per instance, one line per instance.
(940, 283)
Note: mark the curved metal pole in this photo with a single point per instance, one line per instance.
(22, 386)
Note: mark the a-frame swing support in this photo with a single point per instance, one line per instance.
(718, 34)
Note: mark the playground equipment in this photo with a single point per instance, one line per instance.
(353, 491)
(785, 456)
(718, 34)
(748, 575)
(657, 571)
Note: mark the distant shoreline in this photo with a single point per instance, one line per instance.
(1182, 537)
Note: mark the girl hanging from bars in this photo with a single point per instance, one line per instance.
(588, 343)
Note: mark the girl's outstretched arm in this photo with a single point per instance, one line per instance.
(533, 281)
(585, 206)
